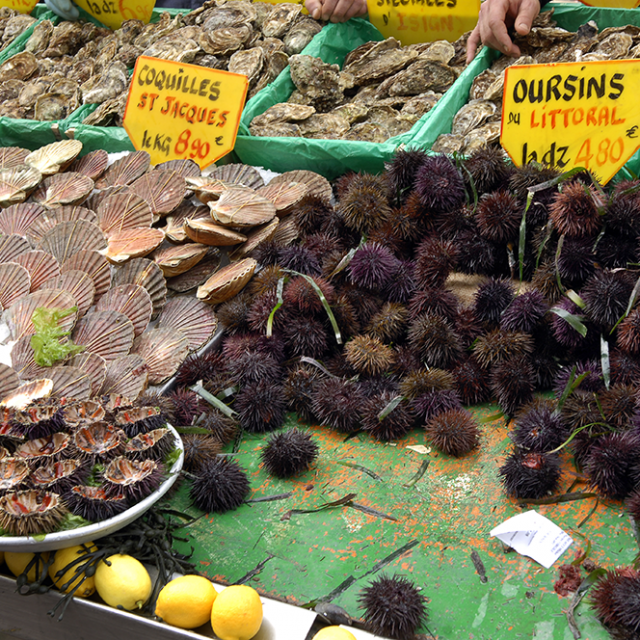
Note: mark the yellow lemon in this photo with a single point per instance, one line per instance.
(17, 562)
(186, 602)
(64, 557)
(124, 582)
(236, 613)
(334, 633)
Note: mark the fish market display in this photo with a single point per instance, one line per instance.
(12, 24)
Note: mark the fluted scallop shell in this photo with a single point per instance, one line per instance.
(133, 243)
(15, 282)
(54, 157)
(63, 189)
(184, 168)
(70, 382)
(23, 360)
(13, 472)
(163, 351)
(94, 200)
(123, 211)
(99, 439)
(95, 265)
(42, 266)
(12, 157)
(106, 333)
(26, 393)
(52, 217)
(127, 376)
(18, 315)
(92, 165)
(132, 300)
(316, 184)
(126, 170)
(26, 513)
(283, 194)
(195, 319)
(67, 238)
(147, 274)
(83, 412)
(162, 190)
(286, 233)
(174, 231)
(207, 188)
(254, 239)
(12, 246)
(43, 448)
(211, 234)
(196, 275)
(19, 217)
(17, 183)
(174, 260)
(242, 208)
(94, 366)
(9, 380)
(79, 284)
(242, 174)
(227, 282)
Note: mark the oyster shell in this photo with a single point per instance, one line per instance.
(249, 62)
(300, 35)
(108, 85)
(280, 19)
(39, 39)
(21, 66)
(471, 116)
(374, 61)
(321, 84)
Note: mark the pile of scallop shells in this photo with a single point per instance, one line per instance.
(478, 122)
(76, 63)
(12, 24)
(382, 90)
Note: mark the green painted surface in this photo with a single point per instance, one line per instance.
(445, 516)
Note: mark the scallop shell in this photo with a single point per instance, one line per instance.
(63, 189)
(254, 239)
(197, 275)
(99, 439)
(52, 217)
(92, 165)
(76, 413)
(208, 189)
(18, 315)
(242, 208)
(23, 360)
(70, 382)
(12, 246)
(12, 157)
(242, 174)
(224, 284)
(126, 170)
(283, 194)
(185, 168)
(19, 217)
(132, 300)
(174, 231)
(54, 157)
(211, 234)
(127, 376)
(94, 366)
(174, 260)
(286, 232)
(106, 333)
(147, 274)
(26, 393)
(42, 266)
(133, 243)
(195, 319)
(9, 380)
(94, 200)
(67, 238)
(95, 265)
(13, 471)
(17, 183)
(163, 351)
(15, 282)
(162, 190)
(43, 448)
(79, 284)
(316, 184)
(123, 211)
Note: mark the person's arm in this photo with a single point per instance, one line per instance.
(336, 10)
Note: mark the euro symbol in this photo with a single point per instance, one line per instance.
(633, 132)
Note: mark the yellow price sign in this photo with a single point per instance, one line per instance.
(415, 21)
(612, 4)
(112, 13)
(178, 111)
(574, 114)
(22, 6)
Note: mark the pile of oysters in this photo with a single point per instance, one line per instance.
(12, 24)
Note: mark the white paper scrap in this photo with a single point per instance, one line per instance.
(534, 536)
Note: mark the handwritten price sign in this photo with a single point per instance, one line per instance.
(612, 4)
(22, 6)
(177, 110)
(112, 13)
(575, 114)
(414, 21)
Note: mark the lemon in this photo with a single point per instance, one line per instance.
(124, 583)
(17, 562)
(186, 602)
(236, 613)
(334, 633)
(64, 557)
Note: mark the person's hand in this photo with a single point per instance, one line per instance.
(494, 20)
(64, 8)
(336, 10)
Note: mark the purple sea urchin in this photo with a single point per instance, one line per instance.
(94, 503)
(401, 172)
(606, 294)
(432, 403)
(435, 259)
(261, 406)
(393, 426)
(491, 299)
(233, 314)
(442, 302)
(434, 338)
(619, 405)
(220, 486)
(198, 449)
(539, 427)
(298, 390)
(298, 258)
(402, 286)
(187, 405)
(365, 205)
(369, 355)
(254, 366)
(512, 382)
(389, 323)
(487, 168)
(209, 366)
(289, 453)
(337, 403)
(499, 215)
(615, 600)
(525, 313)
(310, 213)
(221, 427)
(629, 333)
(576, 261)
(299, 294)
(574, 210)
(372, 266)
(471, 382)
(454, 432)
(530, 474)
(439, 184)
(305, 336)
(423, 380)
(498, 345)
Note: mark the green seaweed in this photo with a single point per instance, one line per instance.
(46, 345)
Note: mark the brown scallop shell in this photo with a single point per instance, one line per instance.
(147, 274)
(17, 183)
(227, 282)
(127, 376)
(123, 211)
(254, 239)
(12, 246)
(242, 208)
(19, 217)
(133, 243)
(23, 360)
(92, 165)
(195, 319)
(163, 351)
(94, 200)
(174, 231)
(42, 266)
(70, 382)
(95, 265)
(287, 232)
(13, 471)
(316, 184)
(18, 315)
(106, 333)
(84, 411)
(12, 157)
(9, 380)
(211, 234)
(99, 439)
(162, 190)
(197, 275)
(52, 217)
(54, 157)
(67, 188)
(94, 366)
(283, 194)
(79, 284)
(176, 259)
(126, 170)
(184, 168)
(67, 238)
(132, 300)
(26, 513)
(208, 189)
(44, 448)
(238, 173)
(15, 282)
(26, 393)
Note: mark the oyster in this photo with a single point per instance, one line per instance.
(375, 61)
(321, 83)
(472, 115)
(21, 66)
(109, 84)
(300, 35)
(39, 39)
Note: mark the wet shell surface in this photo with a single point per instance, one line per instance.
(70, 382)
(18, 315)
(86, 411)
(130, 475)
(15, 282)
(195, 319)
(123, 211)
(54, 157)
(195, 276)
(9, 380)
(316, 184)
(26, 513)
(99, 439)
(126, 170)
(92, 165)
(63, 189)
(283, 194)
(147, 274)
(67, 238)
(57, 473)
(227, 282)
(126, 376)
(12, 246)
(17, 183)
(133, 243)
(242, 208)
(52, 217)
(27, 392)
(174, 260)
(43, 448)
(93, 264)
(106, 333)
(19, 217)
(174, 230)
(162, 190)
(255, 238)
(242, 174)
(132, 300)
(211, 234)
(79, 284)
(42, 266)
(94, 366)
(163, 351)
